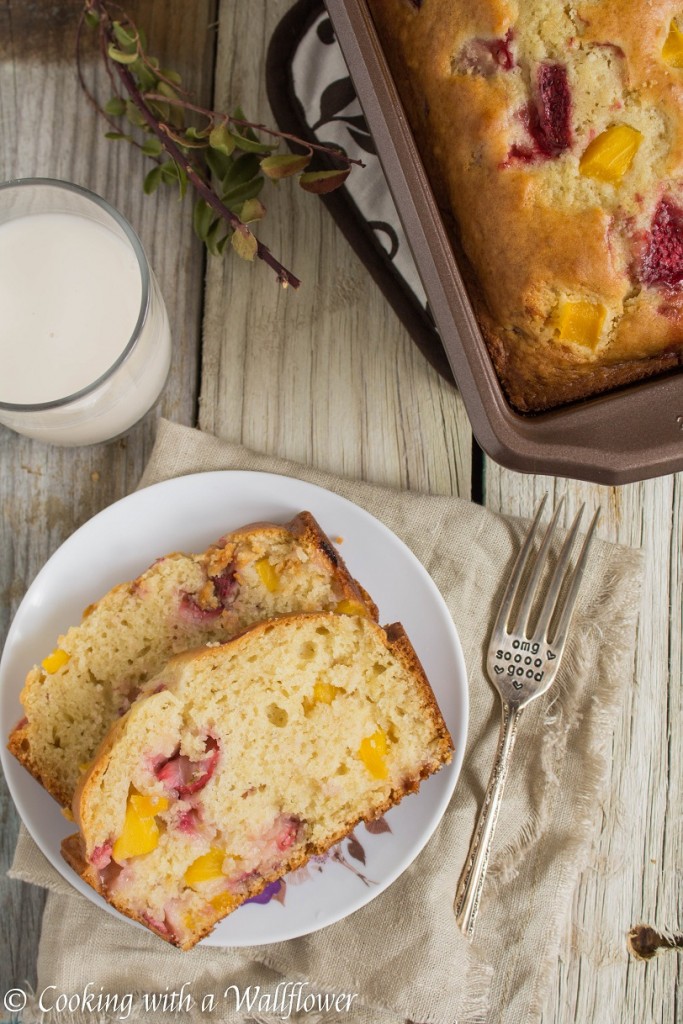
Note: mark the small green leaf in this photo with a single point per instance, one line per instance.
(147, 80)
(116, 135)
(188, 140)
(169, 172)
(197, 133)
(167, 90)
(92, 18)
(242, 193)
(126, 38)
(212, 241)
(284, 165)
(152, 180)
(202, 219)
(120, 56)
(182, 180)
(162, 110)
(172, 76)
(221, 139)
(246, 130)
(321, 182)
(116, 106)
(244, 244)
(252, 209)
(152, 146)
(218, 163)
(248, 145)
(134, 115)
(242, 169)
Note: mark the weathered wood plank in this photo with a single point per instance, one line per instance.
(47, 128)
(636, 875)
(326, 375)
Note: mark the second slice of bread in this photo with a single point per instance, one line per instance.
(182, 601)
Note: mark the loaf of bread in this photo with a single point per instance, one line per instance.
(552, 134)
(241, 761)
(180, 602)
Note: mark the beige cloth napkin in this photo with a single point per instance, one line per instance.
(402, 954)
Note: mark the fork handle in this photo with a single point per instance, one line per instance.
(471, 881)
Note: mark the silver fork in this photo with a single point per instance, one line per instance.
(521, 664)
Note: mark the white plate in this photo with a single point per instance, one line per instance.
(187, 514)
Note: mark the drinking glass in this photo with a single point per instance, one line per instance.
(85, 345)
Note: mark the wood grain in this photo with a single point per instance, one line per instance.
(636, 873)
(326, 375)
(47, 128)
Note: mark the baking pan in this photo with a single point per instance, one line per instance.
(630, 434)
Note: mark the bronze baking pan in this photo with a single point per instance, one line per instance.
(629, 434)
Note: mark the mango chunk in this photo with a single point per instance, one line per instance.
(349, 607)
(373, 753)
(269, 577)
(672, 51)
(581, 322)
(148, 805)
(55, 661)
(206, 868)
(140, 832)
(323, 693)
(222, 902)
(610, 154)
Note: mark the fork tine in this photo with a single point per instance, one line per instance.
(570, 601)
(518, 570)
(532, 584)
(546, 613)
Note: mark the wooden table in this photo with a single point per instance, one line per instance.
(328, 376)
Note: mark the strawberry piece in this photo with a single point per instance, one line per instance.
(485, 56)
(156, 925)
(547, 119)
(101, 855)
(188, 821)
(288, 834)
(662, 260)
(550, 116)
(190, 612)
(186, 777)
(501, 51)
(226, 586)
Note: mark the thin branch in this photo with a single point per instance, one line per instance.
(183, 152)
(263, 252)
(212, 117)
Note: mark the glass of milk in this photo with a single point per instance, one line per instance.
(85, 346)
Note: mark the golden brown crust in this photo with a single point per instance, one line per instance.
(534, 232)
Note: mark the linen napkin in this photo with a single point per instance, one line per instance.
(402, 956)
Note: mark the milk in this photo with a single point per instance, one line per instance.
(71, 292)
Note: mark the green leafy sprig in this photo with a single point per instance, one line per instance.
(220, 155)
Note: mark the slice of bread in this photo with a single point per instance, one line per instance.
(180, 602)
(242, 761)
